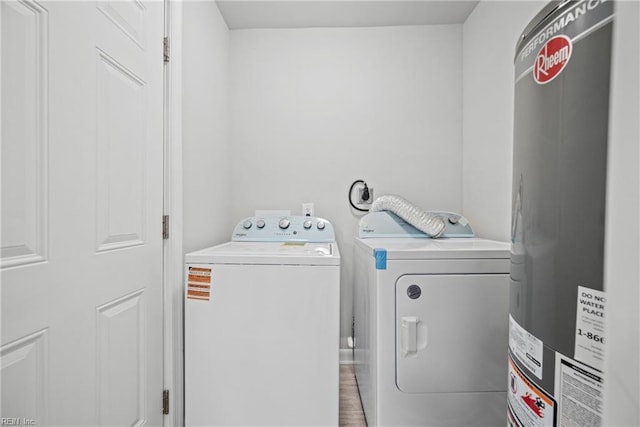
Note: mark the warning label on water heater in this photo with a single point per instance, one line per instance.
(579, 392)
(525, 347)
(527, 404)
(590, 330)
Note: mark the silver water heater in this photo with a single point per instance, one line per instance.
(557, 301)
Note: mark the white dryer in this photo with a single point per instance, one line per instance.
(431, 327)
(262, 326)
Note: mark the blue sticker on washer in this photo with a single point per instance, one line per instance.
(381, 258)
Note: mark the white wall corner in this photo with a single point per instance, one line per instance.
(346, 356)
(490, 34)
(622, 239)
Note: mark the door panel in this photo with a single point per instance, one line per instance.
(24, 364)
(121, 162)
(82, 132)
(121, 361)
(451, 333)
(24, 119)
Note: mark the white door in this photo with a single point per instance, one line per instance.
(451, 333)
(81, 259)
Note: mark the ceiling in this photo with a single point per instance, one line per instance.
(243, 14)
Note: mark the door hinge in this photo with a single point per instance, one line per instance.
(165, 227)
(165, 402)
(166, 49)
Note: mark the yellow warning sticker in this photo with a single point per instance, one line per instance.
(199, 283)
(527, 404)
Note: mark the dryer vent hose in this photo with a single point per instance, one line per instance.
(432, 225)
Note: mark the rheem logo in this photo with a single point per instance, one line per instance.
(551, 59)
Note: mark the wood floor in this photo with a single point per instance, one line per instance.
(351, 414)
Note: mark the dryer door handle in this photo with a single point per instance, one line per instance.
(409, 336)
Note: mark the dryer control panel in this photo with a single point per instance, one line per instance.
(388, 224)
(284, 229)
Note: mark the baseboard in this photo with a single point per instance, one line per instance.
(346, 356)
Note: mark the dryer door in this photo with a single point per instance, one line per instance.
(451, 333)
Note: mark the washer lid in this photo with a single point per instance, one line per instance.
(268, 253)
(415, 248)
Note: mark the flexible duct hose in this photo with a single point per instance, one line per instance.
(432, 225)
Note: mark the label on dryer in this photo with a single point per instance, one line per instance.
(525, 347)
(528, 405)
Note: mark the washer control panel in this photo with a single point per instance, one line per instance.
(284, 229)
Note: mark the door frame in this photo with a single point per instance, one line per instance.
(172, 248)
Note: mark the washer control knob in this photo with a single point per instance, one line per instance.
(307, 224)
(320, 225)
(454, 219)
(260, 224)
(284, 223)
(247, 224)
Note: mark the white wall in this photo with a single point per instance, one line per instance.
(206, 126)
(490, 36)
(315, 109)
(622, 247)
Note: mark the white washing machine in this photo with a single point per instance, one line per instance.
(431, 326)
(262, 332)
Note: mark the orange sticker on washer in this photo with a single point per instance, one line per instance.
(199, 283)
